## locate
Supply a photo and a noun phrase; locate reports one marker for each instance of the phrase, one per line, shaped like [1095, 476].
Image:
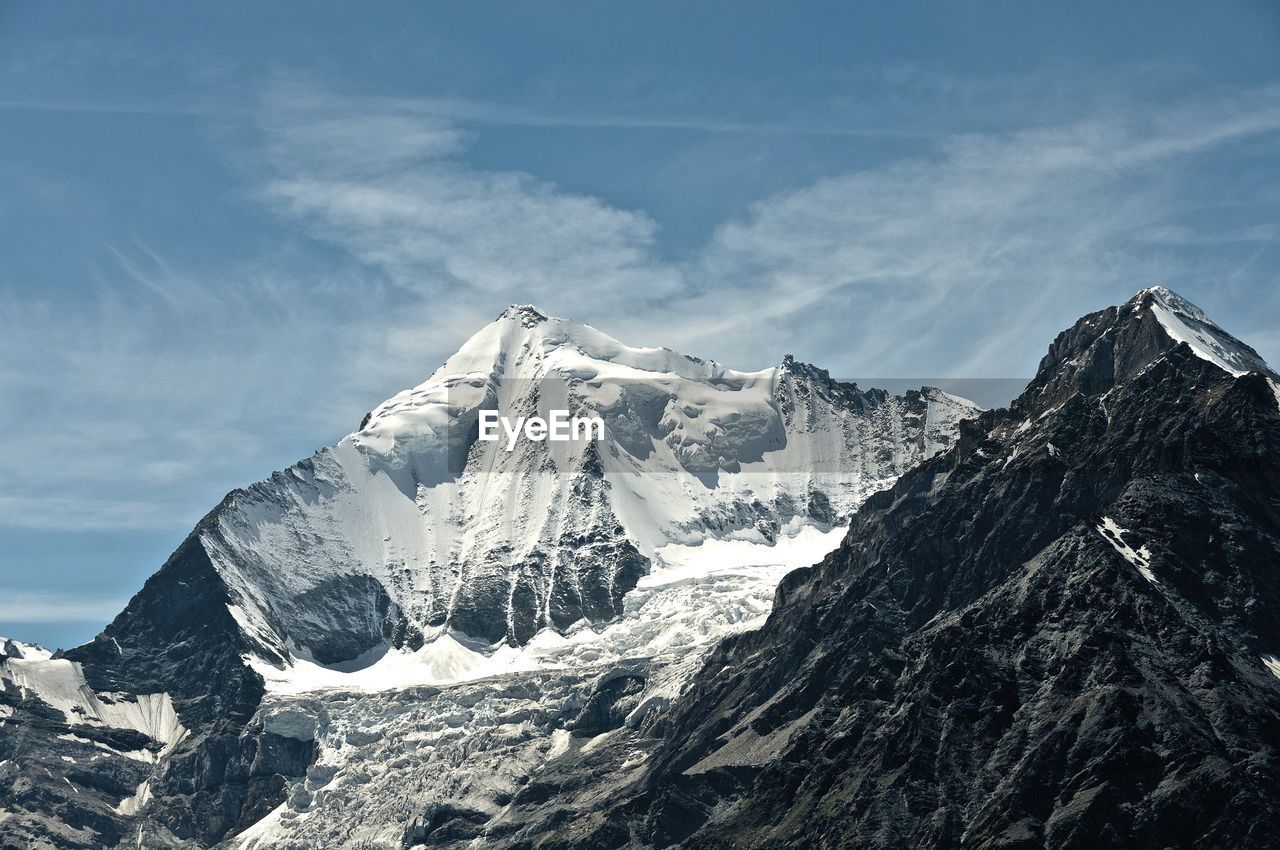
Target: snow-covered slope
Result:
[1185, 322]
[60, 684]
[410, 530]
[393, 765]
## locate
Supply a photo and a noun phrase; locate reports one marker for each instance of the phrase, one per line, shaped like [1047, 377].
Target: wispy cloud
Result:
[896, 268]
[101, 107]
[481, 112]
[389, 184]
[17, 606]
[490, 113]
[968, 260]
[138, 406]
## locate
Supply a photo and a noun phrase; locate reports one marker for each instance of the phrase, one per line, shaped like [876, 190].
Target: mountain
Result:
[1062, 632]
[412, 555]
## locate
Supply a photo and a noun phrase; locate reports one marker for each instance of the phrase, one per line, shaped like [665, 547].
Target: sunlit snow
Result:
[382, 754]
[1185, 322]
[1140, 557]
[61, 684]
[1272, 663]
[694, 452]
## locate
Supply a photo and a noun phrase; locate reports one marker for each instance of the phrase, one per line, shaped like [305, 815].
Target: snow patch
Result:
[560, 740]
[143, 755]
[1185, 322]
[1272, 663]
[61, 684]
[19, 649]
[133, 804]
[263, 833]
[1140, 558]
[804, 545]
[443, 660]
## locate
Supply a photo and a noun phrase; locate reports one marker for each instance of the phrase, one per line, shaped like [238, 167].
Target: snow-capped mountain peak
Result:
[411, 527]
[523, 346]
[1185, 322]
[1118, 343]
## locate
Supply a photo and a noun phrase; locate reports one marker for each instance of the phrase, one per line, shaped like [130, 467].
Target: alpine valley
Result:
[767, 610]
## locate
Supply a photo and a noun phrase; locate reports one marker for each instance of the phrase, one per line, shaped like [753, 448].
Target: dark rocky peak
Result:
[1116, 344]
[799, 368]
[526, 314]
[1060, 633]
[808, 376]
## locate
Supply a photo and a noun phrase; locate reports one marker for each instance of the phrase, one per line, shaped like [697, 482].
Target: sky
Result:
[227, 232]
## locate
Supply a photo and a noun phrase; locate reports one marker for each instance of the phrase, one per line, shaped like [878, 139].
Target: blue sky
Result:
[228, 234]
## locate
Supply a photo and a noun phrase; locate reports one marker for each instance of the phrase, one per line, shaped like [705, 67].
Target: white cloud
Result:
[384, 182]
[964, 261]
[139, 407]
[967, 262]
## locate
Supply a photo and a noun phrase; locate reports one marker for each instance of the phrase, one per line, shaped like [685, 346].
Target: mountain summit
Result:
[410, 527]
[1116, 344]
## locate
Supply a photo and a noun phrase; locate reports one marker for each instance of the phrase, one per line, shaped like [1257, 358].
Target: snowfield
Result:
[60, 684]
[387, 744]
[413, 553]
[695, 594]
[1185, 322]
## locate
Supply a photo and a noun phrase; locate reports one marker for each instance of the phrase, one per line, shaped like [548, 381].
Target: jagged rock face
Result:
[82, 753]
[61, 781]
[177, 637]
[1060, 633]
